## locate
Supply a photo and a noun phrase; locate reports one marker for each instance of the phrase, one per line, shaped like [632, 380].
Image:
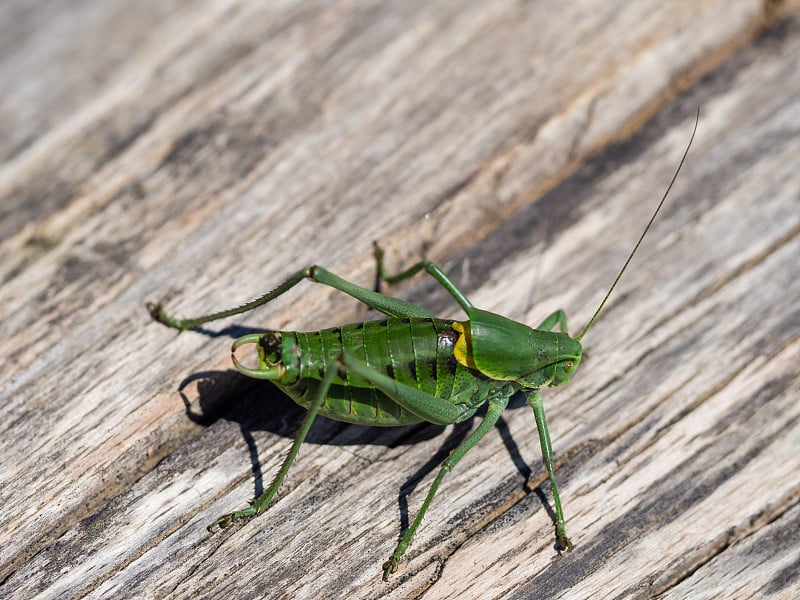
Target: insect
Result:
[411, 367]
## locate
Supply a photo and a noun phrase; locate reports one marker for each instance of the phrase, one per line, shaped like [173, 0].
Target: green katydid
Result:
[411, 367]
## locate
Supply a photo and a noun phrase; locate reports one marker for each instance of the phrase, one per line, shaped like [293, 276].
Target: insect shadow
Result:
[258, 406]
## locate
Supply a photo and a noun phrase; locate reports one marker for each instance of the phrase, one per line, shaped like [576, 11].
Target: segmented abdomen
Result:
[414, 351]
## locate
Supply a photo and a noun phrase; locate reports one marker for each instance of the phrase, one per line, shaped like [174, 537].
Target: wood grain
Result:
[197, 153]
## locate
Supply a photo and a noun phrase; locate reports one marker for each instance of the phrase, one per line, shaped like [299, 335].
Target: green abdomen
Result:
[414, 351]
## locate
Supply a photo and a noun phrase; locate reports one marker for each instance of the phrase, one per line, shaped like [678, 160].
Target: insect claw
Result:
[156, 311]
[221, 523]
[389, 567]
[563, 542]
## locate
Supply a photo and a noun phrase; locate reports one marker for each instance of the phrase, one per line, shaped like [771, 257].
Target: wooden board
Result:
[198, 153]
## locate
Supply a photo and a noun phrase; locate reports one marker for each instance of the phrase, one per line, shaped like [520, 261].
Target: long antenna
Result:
[644, 233]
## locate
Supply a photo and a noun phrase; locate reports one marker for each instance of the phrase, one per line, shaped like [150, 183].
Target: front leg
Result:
[535, 400]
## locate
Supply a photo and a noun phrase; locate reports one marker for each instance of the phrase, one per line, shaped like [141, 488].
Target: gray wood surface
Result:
[196, 153]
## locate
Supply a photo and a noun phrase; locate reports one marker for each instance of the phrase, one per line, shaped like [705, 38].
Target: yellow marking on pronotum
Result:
[463, 348]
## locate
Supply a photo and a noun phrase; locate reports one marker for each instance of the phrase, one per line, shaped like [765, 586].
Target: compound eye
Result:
[568, 366]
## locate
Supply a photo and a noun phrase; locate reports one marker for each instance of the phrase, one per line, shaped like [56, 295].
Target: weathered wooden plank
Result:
[219, 148]
[769, 557]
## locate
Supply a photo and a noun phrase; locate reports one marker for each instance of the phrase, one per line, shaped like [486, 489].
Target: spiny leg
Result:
[434, 410]
[260, 504]
[535, 400]
[157, 312]
[496, 407]
[430, 268]
[392, 307]
[428, 407]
